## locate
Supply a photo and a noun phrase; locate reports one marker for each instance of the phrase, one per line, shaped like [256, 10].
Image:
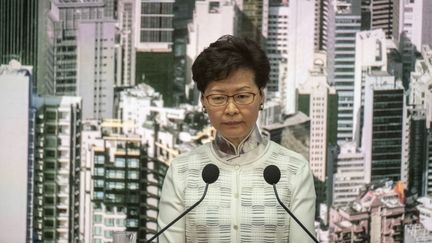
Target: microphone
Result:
[272, 176]
[209, 174]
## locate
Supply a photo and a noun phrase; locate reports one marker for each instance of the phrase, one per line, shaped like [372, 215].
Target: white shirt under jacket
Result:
[240, 206]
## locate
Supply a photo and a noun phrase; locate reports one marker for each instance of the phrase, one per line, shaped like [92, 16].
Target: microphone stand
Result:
[180, 216]
[292, 215]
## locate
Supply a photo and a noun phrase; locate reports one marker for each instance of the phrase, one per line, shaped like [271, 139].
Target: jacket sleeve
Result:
[171, 206]
[303, 205]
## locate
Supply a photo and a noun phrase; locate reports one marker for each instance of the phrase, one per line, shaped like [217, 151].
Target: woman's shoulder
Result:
[193, 158]
[287, 158]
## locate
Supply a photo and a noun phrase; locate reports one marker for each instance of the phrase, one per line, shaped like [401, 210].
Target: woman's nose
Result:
[231, 107]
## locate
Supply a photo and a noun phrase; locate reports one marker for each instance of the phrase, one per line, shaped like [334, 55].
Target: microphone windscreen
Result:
[272, 174]
[210, 173]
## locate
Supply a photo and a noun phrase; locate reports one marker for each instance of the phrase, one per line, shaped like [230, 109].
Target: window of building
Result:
[132, 223]
[99, 159]
[109, 222]
[99, 171]
[99, 195]
[97, 218]
[119, 162]
[133, 163]
[132, 175]
[133, 186]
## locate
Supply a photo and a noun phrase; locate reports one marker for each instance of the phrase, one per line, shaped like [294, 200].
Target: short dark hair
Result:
[226, 55]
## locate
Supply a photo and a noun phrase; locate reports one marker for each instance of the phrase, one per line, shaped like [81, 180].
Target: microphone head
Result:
[272, 174]
[210, 173]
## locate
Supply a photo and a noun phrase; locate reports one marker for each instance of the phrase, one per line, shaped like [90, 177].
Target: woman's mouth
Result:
[232, 123]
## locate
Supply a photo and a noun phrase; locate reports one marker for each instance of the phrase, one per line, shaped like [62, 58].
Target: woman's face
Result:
[235, 119]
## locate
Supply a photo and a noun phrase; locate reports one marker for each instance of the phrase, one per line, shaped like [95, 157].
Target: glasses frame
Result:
[230, 96]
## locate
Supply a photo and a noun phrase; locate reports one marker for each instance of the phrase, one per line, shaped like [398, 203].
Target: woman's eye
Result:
[243, 96]
[218, 98]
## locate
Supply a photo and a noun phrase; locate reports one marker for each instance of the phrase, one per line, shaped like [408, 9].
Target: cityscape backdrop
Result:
[96, 99]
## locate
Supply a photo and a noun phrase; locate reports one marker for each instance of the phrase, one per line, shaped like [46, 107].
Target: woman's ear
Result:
[202, 100]
[262, 96]
[204, 108]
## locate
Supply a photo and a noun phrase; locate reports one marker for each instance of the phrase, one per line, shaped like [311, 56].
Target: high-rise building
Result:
[183, 14]
[301, 25]
[154, 28]
[370, 55]
[319, 101]
[420, 100]
[349, 178]
[95, 61]
[123, 184]
[277, 45]
[16, 152]
[418, 146]
[252, 19]
[125, 51]
[407, 47]
[206, 28]
[382, 16]
[341, 62]
[142, 112]
[154, 45]
[415, 31]
[382, 128]
[322, 8]
[45, 48]
[57, 168]
[422, 20]
[19, 31]
[65, 17]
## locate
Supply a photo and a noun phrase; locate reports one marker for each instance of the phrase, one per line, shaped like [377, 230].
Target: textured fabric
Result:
[226, 151]
[240, 206]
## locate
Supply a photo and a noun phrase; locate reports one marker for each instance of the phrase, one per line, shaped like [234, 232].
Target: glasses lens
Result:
[240, 99]
[217, 99]
[244, 98]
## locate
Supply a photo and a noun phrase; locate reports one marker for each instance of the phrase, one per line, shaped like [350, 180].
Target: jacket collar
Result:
[227, 150]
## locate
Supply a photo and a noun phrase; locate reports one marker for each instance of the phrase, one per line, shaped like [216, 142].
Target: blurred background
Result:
[96, 99]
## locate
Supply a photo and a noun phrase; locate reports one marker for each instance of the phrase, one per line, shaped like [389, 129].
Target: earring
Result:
[204, 110]
[261, 107]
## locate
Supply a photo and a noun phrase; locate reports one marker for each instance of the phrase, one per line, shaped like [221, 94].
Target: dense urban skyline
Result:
[98, 98]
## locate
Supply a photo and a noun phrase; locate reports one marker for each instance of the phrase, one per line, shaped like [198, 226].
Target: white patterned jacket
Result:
[240, 206]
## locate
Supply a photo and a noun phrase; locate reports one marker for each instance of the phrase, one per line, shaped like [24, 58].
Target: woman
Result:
[240, 206]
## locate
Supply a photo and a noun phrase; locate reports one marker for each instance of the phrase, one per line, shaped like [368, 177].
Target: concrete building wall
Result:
[15, 141]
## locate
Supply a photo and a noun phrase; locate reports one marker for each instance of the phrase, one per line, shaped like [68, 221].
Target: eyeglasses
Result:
[244, 98]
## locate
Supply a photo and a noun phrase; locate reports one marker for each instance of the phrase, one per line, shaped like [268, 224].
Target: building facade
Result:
[95, 61]
[422, 231]
[301, 27]
[341, 62]
[349, 178]
[154, 28]
[420, 118]
[208, 15]
[16, 152]
[18, 31]
[57, 168]
[319, 101]
[277, 45]
[125, 50]
[377, 215]
[383, 125]
[123, 184]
